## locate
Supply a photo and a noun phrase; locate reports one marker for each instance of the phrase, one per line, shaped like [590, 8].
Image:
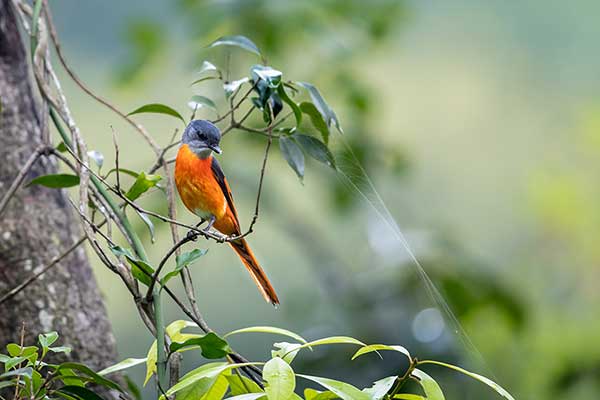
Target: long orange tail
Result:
[260, 278]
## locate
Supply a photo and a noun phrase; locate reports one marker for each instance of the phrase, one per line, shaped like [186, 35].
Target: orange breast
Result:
[197, 187]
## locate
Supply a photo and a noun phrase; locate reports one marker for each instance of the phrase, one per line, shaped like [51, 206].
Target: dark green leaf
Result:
[157, 108]
[80, 392]
[88, 372]
[62, 147]
[142, 183]
[238, 41]
[267, 74]
[328, 114]
[316, 119]
[293, 155]
[316, 149]
[196, 102]
[276, 104]
[137, 266]
[295, 108]
[56, 181]
[213, 346]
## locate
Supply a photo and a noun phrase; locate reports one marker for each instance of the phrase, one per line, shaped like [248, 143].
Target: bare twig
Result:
[20, 176]
[236, 106]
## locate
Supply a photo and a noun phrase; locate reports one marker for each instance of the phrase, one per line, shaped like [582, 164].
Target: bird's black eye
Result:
[201, 136]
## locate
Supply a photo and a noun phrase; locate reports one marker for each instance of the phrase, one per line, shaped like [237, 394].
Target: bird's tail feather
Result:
[256, 272]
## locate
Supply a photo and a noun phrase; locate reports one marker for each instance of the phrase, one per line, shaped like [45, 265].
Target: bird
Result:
[205, 192]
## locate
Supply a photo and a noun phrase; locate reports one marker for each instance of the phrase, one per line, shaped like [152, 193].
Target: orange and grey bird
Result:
[205, 192]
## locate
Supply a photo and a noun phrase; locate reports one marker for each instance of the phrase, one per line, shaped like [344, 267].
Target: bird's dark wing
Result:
[220, 177]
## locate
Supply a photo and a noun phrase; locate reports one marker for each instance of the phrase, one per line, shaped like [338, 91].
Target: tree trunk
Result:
[38, 225]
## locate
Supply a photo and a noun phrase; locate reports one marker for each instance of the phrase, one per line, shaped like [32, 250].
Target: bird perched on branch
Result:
[205, 192]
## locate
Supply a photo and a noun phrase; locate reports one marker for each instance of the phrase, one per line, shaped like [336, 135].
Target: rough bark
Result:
[38, 225]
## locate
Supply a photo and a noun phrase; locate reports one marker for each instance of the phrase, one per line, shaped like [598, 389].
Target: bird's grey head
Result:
[202, 137]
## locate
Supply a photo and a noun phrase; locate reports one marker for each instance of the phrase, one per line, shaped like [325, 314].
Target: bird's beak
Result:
[215, 148]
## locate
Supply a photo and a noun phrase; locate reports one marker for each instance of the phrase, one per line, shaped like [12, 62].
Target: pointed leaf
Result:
[328, 114]
[332, 340]
[91, 374]
[316, 149]
[344, 390]
[267, 329]
[380, 347]
[141, 185]
[408, 396]
[55, 181]
[242, 385]
[430, 386]
[213, 347]
[316, 119]
[248, 396]
[125, 364]
[207, 66]
[293, 155]
[380, 388]
[287, 351]
[157, 108]
[238, 41]
[231, 87]
[501, 391]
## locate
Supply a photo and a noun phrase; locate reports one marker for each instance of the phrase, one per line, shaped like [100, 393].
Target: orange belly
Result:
[197, 187]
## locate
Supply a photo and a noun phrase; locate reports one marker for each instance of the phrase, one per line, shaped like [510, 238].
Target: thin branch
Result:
[236, 106]
[20, 176]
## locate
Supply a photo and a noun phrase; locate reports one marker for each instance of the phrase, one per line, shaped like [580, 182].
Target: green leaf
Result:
[328, 114]
[238, 41]
[13, 362]
[295, 108]
[267, 329]
[148, 222]
[312, 394]
[47, 339]
[316, 119]
[380, 388]
[344, 390]
[157, 108]
[332, 340]
[293, 155]
[18, 372]
[205, 389]
[204, 372]
[125, 364]
[196, 102]
[231, 87]
[60, 349]
[141, 185]
[248, 396]
[430, 386]
[280, 379]
[16, 350]
[88, 372]
[316, 149]
[62, 147]
[409, 396]
[97, 157]
[212, 345]
[55, 181]
[123, 170]
[287, 351]
[242, 385]
[183, 261]
[501, 391]
[80, 392]
[380, 347]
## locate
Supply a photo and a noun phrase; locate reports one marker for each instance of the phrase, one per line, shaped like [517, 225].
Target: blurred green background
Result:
[479, 124]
